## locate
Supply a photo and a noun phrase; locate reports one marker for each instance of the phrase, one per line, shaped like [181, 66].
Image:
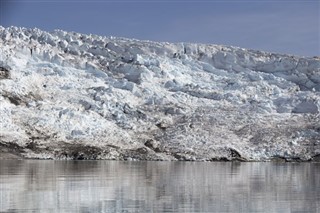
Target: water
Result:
[113, 186]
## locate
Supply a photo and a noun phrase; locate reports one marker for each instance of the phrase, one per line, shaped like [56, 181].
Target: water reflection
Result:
[113, 186]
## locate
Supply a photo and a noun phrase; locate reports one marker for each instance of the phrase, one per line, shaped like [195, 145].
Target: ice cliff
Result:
[65, 95]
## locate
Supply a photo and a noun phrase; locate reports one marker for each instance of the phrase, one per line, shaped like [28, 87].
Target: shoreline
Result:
[6, 155]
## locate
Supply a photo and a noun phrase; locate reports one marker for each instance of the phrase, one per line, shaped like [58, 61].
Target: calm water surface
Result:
[112, 186]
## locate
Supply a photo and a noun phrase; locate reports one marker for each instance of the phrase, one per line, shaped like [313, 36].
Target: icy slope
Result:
[74, 96]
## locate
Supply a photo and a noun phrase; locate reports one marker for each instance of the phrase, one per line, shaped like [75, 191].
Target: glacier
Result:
[66, 95]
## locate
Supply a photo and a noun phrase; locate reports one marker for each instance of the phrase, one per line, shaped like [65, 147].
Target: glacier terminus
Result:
[66, 95]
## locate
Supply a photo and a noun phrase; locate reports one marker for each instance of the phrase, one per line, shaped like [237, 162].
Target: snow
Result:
[68, 93]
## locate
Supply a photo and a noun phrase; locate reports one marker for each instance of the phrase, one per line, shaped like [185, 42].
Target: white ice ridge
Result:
[66, 95]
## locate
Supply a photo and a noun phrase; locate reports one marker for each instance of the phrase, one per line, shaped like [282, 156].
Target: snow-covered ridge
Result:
[75, 96]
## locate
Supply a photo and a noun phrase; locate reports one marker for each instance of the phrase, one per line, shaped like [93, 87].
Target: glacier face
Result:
[65, 95]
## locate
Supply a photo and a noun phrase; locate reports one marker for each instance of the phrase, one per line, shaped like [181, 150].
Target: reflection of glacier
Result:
[111, 186]
[75, 96]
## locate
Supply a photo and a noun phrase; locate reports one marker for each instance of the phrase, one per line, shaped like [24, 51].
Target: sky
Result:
[280, 26]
